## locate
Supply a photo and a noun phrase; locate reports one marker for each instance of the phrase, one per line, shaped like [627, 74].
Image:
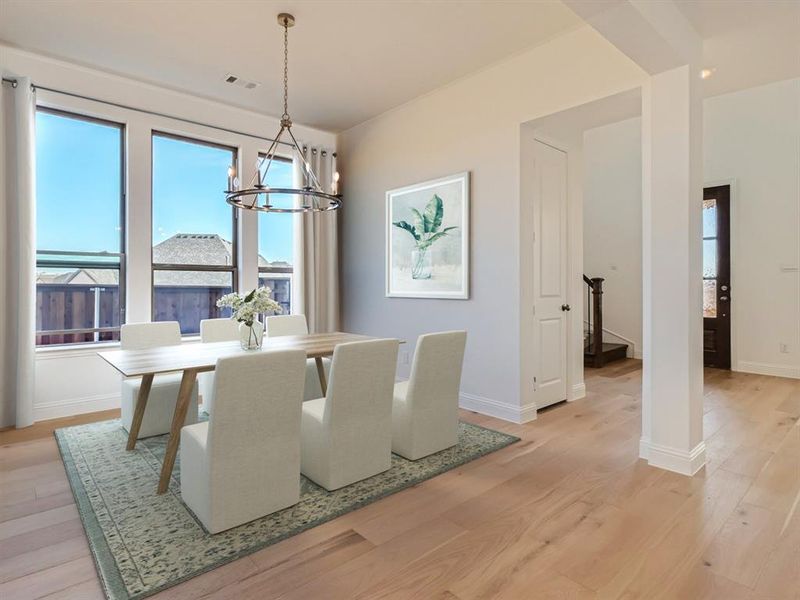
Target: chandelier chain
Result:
[308, 197]
[285, 68]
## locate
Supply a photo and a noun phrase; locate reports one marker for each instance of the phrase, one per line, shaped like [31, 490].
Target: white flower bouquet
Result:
[245, 309]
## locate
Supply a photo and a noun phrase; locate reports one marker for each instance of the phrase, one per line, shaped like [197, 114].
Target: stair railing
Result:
[594, 304]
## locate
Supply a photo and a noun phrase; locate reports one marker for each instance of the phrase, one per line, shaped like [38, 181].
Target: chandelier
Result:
[312, 196]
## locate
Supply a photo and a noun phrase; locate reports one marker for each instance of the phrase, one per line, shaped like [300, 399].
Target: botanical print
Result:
[427, 239]
[425, 232]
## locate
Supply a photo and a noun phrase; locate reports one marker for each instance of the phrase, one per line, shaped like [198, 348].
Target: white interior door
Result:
[550, 276]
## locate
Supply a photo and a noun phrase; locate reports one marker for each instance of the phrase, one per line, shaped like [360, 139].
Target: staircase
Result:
[596, 352]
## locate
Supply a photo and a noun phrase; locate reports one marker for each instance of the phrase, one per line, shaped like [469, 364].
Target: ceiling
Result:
[349, 60]
[747, 42]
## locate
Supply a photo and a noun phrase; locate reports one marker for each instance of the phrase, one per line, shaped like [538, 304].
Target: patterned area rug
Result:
[143, 543]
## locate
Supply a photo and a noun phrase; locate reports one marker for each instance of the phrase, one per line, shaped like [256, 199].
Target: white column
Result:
[247, 221]
[139, 222]
[672, 391]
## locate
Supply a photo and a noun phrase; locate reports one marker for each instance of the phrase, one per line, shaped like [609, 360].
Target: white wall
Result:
[74, 380]
[472, 124]
[753, 137]
[612, 224]
[752, 141]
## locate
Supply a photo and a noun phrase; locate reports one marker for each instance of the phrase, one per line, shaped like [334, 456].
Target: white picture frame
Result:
[433, 263]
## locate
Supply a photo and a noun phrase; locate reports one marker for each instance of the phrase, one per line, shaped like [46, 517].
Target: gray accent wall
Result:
[471, 125]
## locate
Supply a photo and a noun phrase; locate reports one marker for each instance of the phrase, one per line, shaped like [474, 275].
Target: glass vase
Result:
[421, 264]
[251, 336]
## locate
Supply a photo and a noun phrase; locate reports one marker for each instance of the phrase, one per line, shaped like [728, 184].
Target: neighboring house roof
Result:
[193, 248]
[192, 279]
[180, 249]
[81, 277]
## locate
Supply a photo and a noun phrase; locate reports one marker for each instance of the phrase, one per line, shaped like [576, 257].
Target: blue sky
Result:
[78, 185]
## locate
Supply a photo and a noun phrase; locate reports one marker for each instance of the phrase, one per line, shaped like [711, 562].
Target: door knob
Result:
[565, 307]
[723, 298]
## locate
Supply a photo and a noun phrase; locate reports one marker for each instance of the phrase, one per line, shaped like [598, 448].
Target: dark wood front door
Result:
[717, 277]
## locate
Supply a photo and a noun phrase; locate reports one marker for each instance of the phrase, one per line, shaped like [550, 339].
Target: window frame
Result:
[80, 264]
[276, 270]
[233, 268]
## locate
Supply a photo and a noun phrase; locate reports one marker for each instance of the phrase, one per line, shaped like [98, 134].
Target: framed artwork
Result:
[427, 239]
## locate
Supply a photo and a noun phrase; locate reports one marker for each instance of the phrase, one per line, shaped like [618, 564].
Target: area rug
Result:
[143, 543]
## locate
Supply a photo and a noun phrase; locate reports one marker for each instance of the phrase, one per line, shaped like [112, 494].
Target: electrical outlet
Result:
[404, 358]
[784, 348]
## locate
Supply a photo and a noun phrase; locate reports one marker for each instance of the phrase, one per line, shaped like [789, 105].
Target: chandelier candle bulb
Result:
[335, 184]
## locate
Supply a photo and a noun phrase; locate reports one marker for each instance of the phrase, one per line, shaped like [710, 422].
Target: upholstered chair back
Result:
[286, 325]
[219, 330]
[254, 431]
[141, 336]
[244, 462]
[360, 388]
[425, 408]
[436, 371]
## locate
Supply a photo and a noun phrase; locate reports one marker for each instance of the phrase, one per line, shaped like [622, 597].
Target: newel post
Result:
[597, 311]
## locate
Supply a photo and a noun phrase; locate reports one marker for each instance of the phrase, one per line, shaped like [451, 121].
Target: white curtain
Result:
[18, 253]
[316, 251]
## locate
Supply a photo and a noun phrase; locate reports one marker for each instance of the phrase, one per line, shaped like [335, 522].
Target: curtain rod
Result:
[13, 83]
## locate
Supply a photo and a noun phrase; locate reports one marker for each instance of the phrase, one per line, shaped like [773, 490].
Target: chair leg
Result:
[138, 413]
[178, 419]
[321, 372]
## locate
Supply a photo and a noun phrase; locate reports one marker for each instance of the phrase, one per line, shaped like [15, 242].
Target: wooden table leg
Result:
[178, 419]
[138, 413]
[321, 372]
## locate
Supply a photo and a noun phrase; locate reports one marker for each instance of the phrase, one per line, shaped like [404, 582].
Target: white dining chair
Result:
[160, 407]
[214, 330]
[347, 435]
[425, 408]
[281, 325]
[244, 462]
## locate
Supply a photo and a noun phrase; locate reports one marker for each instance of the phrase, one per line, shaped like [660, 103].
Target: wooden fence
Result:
[188, 305]
[68, 306]
[87, 306]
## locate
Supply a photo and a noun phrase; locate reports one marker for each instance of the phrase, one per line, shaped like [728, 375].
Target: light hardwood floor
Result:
[568, 512]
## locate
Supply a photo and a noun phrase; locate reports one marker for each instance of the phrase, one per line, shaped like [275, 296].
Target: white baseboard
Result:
[768, 369]
[500, 410]
[673, 459]
[75, 406]
[578, 392]
[644, 448]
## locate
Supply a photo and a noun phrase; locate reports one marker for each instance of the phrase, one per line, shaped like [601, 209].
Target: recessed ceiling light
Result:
[706, 73]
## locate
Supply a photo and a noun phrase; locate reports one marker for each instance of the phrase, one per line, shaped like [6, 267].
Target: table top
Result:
[203, 357]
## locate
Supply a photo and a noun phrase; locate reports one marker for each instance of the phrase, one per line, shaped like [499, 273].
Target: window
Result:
[710, 258]
[80, 261]
[194, 232]
[276, 237]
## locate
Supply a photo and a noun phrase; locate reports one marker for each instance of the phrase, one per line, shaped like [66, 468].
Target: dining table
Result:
[194, 358]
